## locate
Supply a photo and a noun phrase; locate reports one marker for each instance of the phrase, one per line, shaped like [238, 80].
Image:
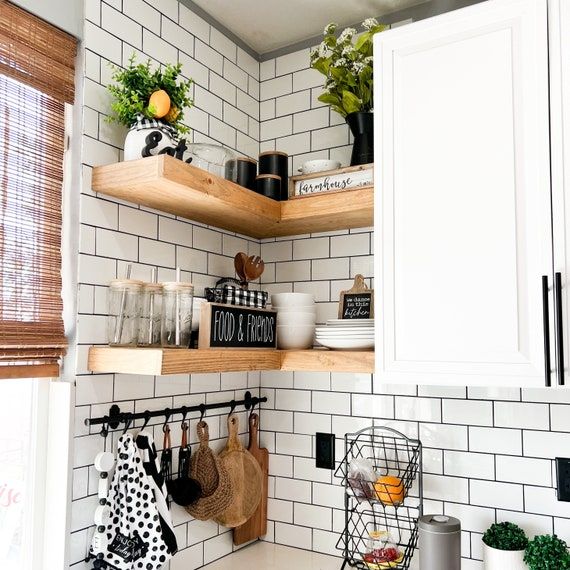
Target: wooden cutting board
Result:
[255, 526]
[245, 476]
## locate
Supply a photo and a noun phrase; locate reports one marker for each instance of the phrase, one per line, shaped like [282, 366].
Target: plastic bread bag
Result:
[361, 478]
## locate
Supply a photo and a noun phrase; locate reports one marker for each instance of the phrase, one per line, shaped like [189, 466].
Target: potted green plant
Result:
[346, 62]
[547, 552]
[504, 546]
[149, 101]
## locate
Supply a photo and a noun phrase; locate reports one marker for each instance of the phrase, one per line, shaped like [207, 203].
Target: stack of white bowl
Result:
[296, 317]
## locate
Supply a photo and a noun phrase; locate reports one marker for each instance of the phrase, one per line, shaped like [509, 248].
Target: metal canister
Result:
[439, 542]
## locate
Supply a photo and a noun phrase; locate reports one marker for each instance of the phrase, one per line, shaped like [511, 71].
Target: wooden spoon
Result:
[253, 267]
[239, 265]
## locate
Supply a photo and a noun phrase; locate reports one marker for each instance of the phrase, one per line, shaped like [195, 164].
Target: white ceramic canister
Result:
[136, 139]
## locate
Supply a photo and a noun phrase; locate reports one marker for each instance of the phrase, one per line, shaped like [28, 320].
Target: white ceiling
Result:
[267, 25]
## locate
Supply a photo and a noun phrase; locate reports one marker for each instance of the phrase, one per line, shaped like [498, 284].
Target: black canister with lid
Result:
[269, 185]
[242, 171]
[277, 163]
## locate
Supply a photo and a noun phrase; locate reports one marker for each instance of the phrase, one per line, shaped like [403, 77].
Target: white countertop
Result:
[269, 556]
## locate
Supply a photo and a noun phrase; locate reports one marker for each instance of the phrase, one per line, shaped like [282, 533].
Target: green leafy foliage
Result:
[347, 66]
[137, 82]
[547, 552]
[505, 536]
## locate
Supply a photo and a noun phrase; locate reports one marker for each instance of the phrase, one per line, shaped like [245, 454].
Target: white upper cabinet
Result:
[462, 203]
[559, 36]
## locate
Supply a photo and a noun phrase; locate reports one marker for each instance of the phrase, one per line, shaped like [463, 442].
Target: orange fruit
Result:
[389, 490]
[159, 104]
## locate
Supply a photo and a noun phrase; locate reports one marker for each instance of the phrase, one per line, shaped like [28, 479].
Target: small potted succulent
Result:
[151, 104]
[346, 62]
[504, 547]
[547, 552]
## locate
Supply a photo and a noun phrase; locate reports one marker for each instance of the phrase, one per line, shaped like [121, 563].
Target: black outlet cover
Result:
[325, 450]
[563, 478]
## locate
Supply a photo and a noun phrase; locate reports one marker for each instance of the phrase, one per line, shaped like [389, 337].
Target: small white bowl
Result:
[290, 299]
[319, 165]
[296, 318]
[295, 337]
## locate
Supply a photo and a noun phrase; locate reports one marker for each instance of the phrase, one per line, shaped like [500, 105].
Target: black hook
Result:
[127, 419]
[254, 402]
[202, 411]
[167, 417]
[184, 414]
[232, 407]
[105, 429]
[146, 419]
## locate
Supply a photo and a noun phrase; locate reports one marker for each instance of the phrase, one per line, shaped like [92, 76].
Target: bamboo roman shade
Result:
[36, 53]
[36, 79]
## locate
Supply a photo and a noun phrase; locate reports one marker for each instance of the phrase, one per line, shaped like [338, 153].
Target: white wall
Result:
[114, 233]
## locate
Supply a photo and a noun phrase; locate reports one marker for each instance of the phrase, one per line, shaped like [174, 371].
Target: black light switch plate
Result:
[563, 478]
[325, 450]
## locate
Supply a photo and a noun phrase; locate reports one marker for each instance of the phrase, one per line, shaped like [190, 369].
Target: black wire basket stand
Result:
[395, 508]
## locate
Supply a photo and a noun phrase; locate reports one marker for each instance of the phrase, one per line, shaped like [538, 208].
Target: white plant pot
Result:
[503, 559]
[135, 141]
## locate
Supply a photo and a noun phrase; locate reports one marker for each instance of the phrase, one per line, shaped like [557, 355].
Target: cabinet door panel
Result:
[463, 203]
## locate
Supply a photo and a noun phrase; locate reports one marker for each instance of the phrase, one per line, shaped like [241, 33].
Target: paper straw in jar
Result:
[120, 318]
[151, 307]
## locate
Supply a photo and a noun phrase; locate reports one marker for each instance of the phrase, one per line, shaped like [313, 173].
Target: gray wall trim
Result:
[418, 12]
[220, 27]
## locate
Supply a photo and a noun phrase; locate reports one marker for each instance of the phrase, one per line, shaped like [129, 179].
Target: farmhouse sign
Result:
[333, 181]
[231, 326]
[357, 302]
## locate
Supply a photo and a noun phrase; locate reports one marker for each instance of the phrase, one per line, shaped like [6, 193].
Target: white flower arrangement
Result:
[347, 66]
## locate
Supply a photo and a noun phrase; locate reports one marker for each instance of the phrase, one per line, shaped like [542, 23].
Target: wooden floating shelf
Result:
[163, 361]
[170, 185]
[323, 360]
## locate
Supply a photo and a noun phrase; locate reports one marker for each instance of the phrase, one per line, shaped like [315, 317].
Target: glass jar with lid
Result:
[150, 321]
[123, 312]
[177, 314]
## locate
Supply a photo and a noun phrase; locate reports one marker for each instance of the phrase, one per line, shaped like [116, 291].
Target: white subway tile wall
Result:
[488, 452]
[114, 233]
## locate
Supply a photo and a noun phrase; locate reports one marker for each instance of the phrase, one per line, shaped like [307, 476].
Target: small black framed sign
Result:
[233, 326]
[357, 302]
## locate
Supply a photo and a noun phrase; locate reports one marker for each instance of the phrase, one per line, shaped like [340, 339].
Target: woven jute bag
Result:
[206, 468]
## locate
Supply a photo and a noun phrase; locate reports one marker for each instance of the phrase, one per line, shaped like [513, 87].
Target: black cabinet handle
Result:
[546, 327]
[559, 327]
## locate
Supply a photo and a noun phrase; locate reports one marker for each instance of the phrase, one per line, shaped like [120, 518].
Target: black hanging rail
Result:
[116, 417]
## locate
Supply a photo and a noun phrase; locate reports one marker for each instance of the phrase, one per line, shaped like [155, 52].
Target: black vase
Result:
[362, 127]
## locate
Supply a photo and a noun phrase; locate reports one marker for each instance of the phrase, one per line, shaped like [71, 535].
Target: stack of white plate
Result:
[347, 334]
[296, 317]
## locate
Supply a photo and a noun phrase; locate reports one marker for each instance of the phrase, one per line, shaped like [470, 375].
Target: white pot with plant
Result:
[504, 547]
[151, 104]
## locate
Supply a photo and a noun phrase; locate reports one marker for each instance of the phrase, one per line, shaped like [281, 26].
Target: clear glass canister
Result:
[151, 314]
[177, 314]
[123, 312]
